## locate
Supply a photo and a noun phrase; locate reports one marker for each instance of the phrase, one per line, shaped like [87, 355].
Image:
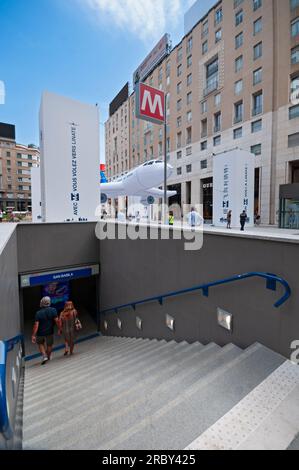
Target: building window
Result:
[179, 105]
[204, 47]
[8, 162]
[293, 140]
[179, 88]
[179, 155]
[257, 4]
[189, 79]
[189, 45]
[180, 55]
[239, 40]
[204, 128]
[238, 87]
[205, 29]
[239, 17]
[189, 98]
[179, 70]
[258, 51]
[204, 107]
[204, 164]
[217, 99]
[257, 26]
[8, 154]
[189, 116]
[212, 76]
[179, 171]
[168, 68]
[257, 103]
[189, 168]
[179, 121]
[179, 140]
[188, 151]
[295, 55]
[294, 112]
[218, 16]
[256, 126]
[257, 76]
[217, 122]
[239, 64]
[294, 83]
[189, 135]
[217, 140]
[238, 133]
[295, 27]
[256, 149]
[189, 61]
[218, 35]
[238, 112]
[204, 145]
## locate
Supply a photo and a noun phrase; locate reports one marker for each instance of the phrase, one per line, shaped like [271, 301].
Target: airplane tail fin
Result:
[103, 177]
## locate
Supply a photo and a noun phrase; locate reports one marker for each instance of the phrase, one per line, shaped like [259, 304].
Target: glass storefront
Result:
[289, 214]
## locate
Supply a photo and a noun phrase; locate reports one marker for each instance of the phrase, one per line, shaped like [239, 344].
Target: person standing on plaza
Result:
[69, 323]
[43, 329]
[243, 219]
[229, 219]
[1, 216]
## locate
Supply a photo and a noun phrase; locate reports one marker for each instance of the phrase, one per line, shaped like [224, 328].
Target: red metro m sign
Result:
[150, 104]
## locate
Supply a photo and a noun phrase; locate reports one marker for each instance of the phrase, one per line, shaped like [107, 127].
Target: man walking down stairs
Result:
[131, 394]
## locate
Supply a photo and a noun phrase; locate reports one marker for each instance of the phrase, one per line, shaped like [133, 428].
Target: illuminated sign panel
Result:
[150, 104]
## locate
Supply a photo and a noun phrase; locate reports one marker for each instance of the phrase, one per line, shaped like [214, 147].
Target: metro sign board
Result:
[150, 104]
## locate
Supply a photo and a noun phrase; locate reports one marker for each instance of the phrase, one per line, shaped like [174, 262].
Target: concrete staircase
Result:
[123, 394]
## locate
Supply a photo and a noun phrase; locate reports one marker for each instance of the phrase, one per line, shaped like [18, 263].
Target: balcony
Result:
[257, 110]
[213, 86]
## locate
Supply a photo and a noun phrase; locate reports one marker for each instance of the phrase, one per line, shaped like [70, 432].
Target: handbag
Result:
[78, 324]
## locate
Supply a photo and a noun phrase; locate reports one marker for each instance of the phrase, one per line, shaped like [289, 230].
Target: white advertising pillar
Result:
[36, 195]
[233, 187]
[70, 159]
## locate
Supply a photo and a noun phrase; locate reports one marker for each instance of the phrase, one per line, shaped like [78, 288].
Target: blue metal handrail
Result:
[271, 279]
[5, 348]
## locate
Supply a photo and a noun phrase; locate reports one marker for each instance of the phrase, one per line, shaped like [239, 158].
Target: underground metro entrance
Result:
[80, 285]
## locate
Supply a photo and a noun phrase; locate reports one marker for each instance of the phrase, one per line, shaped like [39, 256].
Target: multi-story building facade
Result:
[16, 161]
[231, 82]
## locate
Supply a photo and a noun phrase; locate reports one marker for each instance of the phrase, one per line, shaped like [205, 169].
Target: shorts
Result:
[45, 339]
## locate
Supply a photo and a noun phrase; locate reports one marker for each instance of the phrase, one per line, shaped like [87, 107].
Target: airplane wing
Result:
[111, 190]
[155, 192]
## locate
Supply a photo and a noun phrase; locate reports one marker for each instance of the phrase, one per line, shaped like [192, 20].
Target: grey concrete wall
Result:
[9, 290]
[9, 301]
[49, 246]
[132, 270]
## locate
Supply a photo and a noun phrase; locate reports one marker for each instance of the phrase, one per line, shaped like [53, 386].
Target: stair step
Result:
[127, 386]
[153, 355]
[146, 400]
[189, 411]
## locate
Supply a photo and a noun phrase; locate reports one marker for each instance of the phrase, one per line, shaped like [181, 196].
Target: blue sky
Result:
[84, 49]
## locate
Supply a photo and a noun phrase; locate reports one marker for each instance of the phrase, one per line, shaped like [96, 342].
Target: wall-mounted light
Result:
[119, 324]
[170, 322]
[139, 323]
[105, 325]
[225, 319]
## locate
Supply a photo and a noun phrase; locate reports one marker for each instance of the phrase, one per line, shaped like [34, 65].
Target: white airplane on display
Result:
[140, 182]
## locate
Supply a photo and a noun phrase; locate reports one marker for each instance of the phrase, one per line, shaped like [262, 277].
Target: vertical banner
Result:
[70, 159]
[233, 187]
